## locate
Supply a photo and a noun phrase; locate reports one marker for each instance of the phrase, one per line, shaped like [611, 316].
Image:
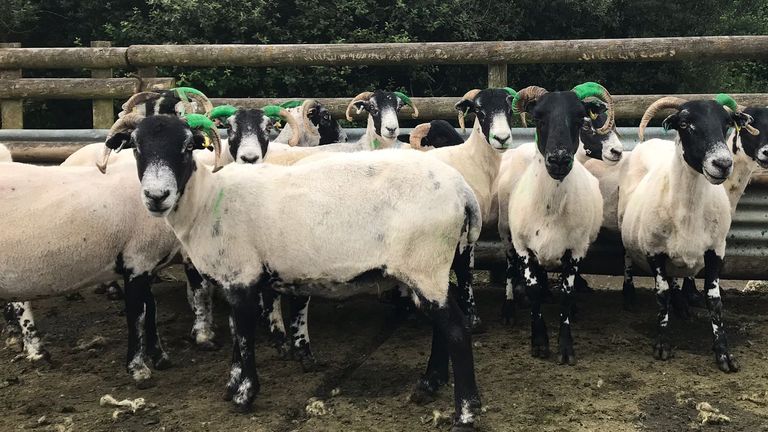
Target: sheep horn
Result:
[663, 103]
[524, 97]
[275, 111]
[407, 100]
[205, 124]
[361, 96]
[730, 105]
[127, 122]
[136, 99]
[469, 96]
[308, 126]
[593, 89]
[417, 134]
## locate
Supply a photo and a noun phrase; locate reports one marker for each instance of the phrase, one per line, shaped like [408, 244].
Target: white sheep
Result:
[550, 207]
[674, 215]
[5, 154]
[317, 127]
[233, 225]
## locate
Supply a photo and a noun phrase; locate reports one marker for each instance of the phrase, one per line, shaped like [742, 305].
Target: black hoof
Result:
[242, 408]
[310, 364]
[145, 383]
[162, 363]
[567, 358]
[284, 351]
[540, 351]
[465, 427]
[208, 345]
[422, 394]
[662, 351]
[727, 362]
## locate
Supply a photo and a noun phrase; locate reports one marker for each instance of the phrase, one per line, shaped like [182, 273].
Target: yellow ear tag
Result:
[206, 141]
[592, 115]
[278, 125]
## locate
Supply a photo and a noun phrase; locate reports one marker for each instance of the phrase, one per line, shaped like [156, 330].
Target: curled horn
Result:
[214, 134]
[524, 97]
[407, 100]
[126, 123]
[208, 127]
[202, 101]
[308, 126]
[593, 89]
[362, 96]
[274, 111]
[469, 96]
[663, 103]
[136, 99]
[730, 105]
[417, 134]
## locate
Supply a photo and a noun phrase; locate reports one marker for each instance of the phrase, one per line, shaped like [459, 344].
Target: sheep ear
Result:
[594, 108]
[741, 119]
[119, 141]
[465, 106]
[361, 105]
[670, 122]
[200, 140]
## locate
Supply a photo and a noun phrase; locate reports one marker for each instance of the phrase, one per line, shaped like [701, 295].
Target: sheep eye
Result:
[586, 124]
[683, 125]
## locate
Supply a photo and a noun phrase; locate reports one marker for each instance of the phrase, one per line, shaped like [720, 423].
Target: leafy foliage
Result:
[125, 22]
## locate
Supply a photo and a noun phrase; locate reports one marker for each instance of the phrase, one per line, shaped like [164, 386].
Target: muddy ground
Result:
[373, 360]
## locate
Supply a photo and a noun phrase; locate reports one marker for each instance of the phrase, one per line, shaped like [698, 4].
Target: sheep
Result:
[316, 123]
[41, 259]
[383, 127]
[362, 243]
[5, 154]
[435, 134]
[674, 214]
[550, 207]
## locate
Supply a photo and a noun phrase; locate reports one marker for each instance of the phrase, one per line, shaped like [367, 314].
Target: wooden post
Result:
[103, 109]
[11, 111]
[497, 75]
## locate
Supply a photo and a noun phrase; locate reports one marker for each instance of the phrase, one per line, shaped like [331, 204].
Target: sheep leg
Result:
[21, 322]
[301, 347]
[452, 336]
[570, 266]
[136, 314]
[628, 289]
[236, 365]
[437, 369]
[662, 350]
[679, 302]
[724, 359]
[155, 350]
[200, 298]
[243, 323]
[272, 314]
[581, 285]
[112, 290]
[462, 267]
[12, 325]
[694, 297]
[512, 281]
[535, 280]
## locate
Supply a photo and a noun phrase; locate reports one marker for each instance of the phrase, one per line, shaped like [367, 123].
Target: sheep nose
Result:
[615, 152]
[502, 138]
[724, 164]
[157, 197]
[560, 159]
[249, 160]
[391, 130]
[763, 154]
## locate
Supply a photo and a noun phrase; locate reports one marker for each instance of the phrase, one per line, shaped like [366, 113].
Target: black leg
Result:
[693, 296]
[535, 279]
[200, 298]
[437, 369]
[662, 350]
[570, 267]
[136, 314]
[451, 335]
[724, 359]
[157, 354]
[243, 323]
[678, 301]
[462, 266]
[512, 280]
[581, 285]
[628, 290]
[236, 367]
[271, 307]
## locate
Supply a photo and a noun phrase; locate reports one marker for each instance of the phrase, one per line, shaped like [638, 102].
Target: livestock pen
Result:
[367, 374]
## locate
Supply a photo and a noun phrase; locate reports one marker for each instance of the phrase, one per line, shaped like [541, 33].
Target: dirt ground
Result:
[372, 360]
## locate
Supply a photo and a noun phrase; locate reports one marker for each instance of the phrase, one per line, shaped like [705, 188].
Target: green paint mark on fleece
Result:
[727, 101]
[376, 144]
[217, 204]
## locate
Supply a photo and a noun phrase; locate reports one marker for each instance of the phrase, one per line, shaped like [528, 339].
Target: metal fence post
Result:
[103, 109]
[11, 110]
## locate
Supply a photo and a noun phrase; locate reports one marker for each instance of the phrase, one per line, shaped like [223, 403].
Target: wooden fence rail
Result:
[101, 58]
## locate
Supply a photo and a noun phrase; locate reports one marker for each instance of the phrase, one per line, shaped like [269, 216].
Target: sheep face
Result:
[608, 147]
[559, 118]
[701, 126]
[248, 131]
[163, 148]
[329, 129]
[493, 109]
[383, 107]
[167, 103]
[756, 146]
[441, 134]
